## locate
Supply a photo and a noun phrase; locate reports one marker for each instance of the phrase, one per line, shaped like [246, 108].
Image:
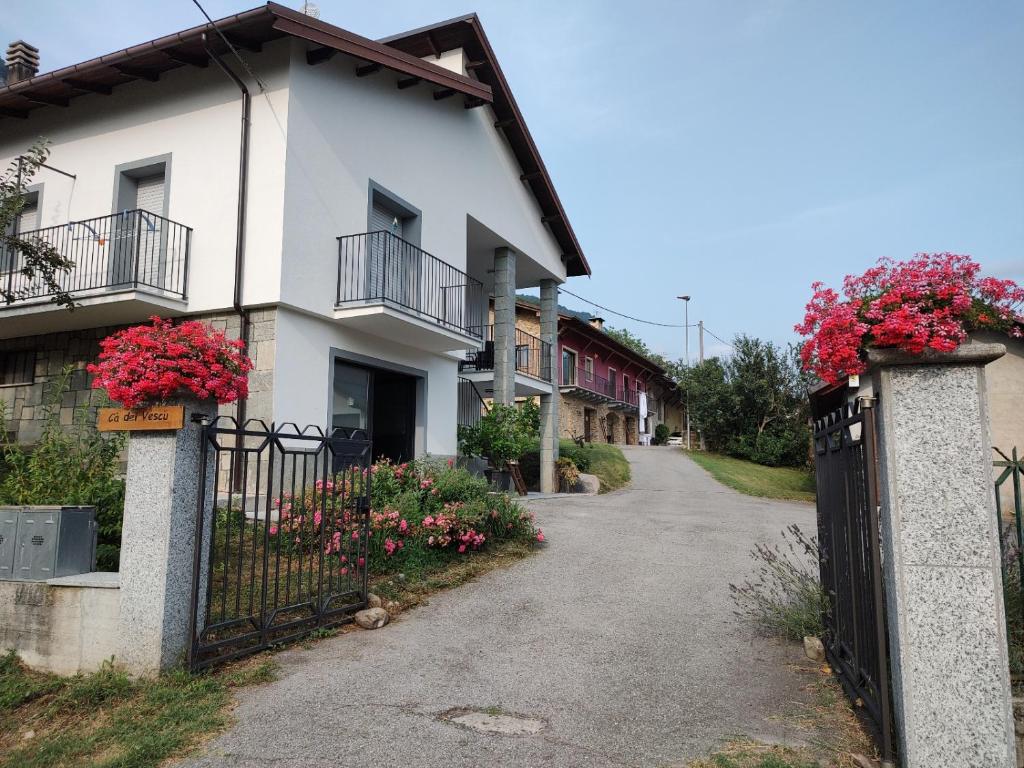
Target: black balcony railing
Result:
[533, 355]
[128, 250]
[379, 267]
[582, 378]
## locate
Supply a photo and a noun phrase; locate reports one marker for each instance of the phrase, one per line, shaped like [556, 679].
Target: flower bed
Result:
[423, 514]
[929, 302]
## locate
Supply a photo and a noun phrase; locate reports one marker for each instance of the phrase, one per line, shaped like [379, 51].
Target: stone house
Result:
[383, 192]
[607, 392]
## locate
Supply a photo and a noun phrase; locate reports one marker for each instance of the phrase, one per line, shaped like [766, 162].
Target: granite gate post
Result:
[947, 628]
[158, 533]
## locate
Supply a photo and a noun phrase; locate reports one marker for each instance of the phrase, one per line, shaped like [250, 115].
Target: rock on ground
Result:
[371, 618]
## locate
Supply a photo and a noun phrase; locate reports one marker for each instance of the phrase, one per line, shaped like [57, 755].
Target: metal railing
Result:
[127, 250]
[471, 405]
[286, 554]
[582, 378]
[850, 562]
[1010, 516]
[379, 267]
[532, 355]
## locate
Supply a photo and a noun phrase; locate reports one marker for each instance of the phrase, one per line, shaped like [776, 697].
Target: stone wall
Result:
[23, 403]
[605, 419]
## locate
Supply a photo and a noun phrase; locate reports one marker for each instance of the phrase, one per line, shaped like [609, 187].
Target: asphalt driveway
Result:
[619, 637]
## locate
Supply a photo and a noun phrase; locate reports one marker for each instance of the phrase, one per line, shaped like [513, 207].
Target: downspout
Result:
[243, 194]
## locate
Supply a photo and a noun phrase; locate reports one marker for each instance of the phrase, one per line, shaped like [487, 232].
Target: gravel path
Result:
[619, 636]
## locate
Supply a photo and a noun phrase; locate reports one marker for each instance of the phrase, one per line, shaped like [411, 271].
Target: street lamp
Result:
[686, 345]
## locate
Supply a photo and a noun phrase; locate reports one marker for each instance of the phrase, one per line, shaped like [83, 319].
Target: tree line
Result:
[751, 404]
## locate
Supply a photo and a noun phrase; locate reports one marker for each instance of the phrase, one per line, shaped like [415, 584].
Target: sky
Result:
[732, 151]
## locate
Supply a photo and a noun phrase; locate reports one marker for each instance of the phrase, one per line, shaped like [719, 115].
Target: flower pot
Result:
[500, 479]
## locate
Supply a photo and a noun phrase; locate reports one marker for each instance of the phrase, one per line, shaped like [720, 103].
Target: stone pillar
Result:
[947, 629]
[161, 493]
[504, 326]
[549, 403]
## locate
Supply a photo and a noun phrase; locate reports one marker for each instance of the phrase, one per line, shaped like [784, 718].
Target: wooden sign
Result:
[152, 418]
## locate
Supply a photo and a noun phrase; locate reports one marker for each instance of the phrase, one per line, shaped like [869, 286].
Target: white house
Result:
[347, 206]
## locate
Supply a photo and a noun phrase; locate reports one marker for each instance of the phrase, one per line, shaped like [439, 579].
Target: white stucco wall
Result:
[312, 159]
[446, 160]
[303, 367]
[194, 115]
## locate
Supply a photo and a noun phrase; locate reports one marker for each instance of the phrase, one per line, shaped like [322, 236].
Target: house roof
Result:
[250, 30]
[467, 33]
[580, 322]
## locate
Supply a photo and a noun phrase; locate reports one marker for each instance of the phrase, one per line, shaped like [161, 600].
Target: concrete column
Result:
[161, 493]
[504, 326]
[947, 629]
[549, 403]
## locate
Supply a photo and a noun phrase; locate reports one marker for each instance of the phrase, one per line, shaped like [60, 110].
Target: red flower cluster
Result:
[148, 364]
[929, 302]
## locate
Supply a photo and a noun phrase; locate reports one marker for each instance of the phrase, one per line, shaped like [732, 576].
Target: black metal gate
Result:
[856, 640]
[283, 520]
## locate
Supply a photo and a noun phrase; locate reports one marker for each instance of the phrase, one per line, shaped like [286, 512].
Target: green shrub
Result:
[784, 598]
[582, 457]
[70, 464]
[503, 434]
[661, 433]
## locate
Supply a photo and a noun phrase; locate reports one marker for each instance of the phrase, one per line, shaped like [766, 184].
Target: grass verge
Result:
[601, 459]
[757, 480]
[109, 720]
[829, 732]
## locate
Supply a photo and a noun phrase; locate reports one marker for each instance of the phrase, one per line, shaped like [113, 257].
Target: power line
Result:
[234, 50]
[709, 333]
[647, 322]
[628, 317]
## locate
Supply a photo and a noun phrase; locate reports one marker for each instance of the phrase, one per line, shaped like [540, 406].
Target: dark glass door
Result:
[381, 402]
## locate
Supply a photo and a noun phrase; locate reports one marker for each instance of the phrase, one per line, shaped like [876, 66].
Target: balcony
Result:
[587, 385]
[127, 266]
[533, 363]
[390, 288]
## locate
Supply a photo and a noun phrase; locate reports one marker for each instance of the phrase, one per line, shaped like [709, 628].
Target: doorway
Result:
[379, 401]
[588, 424]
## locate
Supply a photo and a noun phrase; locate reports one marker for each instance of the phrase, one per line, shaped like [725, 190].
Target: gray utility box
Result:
[40, 543]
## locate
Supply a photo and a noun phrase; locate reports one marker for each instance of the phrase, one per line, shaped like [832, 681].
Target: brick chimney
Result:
[597, 322]
[22, 61]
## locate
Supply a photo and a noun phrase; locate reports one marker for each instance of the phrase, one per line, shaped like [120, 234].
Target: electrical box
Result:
[8, 540]
[51, 542]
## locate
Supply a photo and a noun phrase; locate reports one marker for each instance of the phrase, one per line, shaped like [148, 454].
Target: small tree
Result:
[24, 253]
[661, 434]
[503, 434]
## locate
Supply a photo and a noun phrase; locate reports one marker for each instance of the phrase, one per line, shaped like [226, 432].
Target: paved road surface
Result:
[619, 635]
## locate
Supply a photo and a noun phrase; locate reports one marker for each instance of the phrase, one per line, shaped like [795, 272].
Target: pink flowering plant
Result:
[930, 302]
[422, 514]
[150, 364]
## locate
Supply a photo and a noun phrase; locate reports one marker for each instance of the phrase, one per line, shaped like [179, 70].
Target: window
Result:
[17, 367]
[610, 386]
[625, 383]
[28, 217]
[588, 368]
[568, 367]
